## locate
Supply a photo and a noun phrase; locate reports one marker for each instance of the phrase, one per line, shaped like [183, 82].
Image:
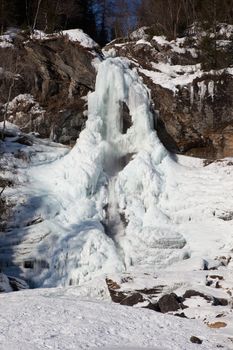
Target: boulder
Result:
[195, 340]
[169, 303]
[133, 299]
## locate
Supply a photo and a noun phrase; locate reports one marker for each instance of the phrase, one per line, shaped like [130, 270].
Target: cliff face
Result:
[193, 103]
[51, 76]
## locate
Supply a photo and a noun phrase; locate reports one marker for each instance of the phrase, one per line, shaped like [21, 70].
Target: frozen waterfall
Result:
[102, 198]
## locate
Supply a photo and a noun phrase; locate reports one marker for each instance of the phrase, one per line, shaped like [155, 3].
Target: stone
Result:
[168, 303]
[217, 325]
[132, 299]
[196, 340]
[182, 314]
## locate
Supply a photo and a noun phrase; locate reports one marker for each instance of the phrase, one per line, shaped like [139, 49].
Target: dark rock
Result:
[216, 277]
[220, 301]
[193, 293]
[182, 314]
[58, 74]
[169, 302]
[17, 284]
[132, 299]
[116, 294]
[24, 140]
[126, 118]
[215, 301]
[196, 340]
[153, 306]
[151, 291]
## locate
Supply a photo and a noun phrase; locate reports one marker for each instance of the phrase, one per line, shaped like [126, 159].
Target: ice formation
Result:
[117, 200]
[109, 206]
[98, 205]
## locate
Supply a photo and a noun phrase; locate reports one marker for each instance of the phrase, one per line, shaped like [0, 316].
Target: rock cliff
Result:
[49, 77]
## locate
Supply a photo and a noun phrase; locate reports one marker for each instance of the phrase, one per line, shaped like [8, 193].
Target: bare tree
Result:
[6, 107]
[36, 15]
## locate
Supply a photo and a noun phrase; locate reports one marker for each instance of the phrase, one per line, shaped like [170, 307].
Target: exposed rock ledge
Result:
[52, 75]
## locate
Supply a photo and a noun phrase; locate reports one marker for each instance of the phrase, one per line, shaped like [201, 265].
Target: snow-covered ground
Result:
[51, 319]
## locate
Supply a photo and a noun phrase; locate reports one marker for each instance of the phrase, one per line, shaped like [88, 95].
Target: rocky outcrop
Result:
[47, 80]
[193, 103]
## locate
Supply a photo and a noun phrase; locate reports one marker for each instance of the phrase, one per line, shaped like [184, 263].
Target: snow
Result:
[139, 34]
[177, 45]
[171, 76]
[51, 319]
[74, 35]
[143, 42]
[6, 40]
[78, 35]
[161, 40]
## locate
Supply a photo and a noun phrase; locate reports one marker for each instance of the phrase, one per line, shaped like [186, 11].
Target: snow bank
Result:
[33, 318]
[81, 37]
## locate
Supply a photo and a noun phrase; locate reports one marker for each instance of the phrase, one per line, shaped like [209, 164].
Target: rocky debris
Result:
[193, 105]
[195, 340]
[157, 299]
[54, 75]
[132, 297]
[166, 303]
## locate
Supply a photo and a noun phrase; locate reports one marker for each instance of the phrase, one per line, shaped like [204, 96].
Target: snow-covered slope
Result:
[51, 319]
